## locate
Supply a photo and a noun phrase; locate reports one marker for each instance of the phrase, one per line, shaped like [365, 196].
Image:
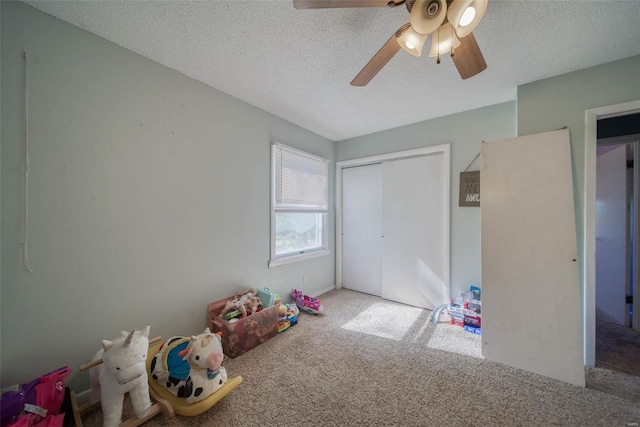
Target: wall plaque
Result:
[469, 189]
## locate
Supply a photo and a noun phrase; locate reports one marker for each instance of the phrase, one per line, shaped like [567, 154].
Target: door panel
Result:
[361, 227]
[531, 308]
[611, 231]
[415, 263]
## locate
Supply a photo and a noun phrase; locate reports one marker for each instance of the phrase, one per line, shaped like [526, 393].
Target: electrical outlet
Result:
[305, 280]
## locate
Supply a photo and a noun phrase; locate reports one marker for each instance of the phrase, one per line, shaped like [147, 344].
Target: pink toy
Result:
[306, 303]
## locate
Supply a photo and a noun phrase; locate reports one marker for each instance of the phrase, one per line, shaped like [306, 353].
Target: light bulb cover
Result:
[467, 16]
[457, 10]
[422, 20]
[412, 41]
[442, 40]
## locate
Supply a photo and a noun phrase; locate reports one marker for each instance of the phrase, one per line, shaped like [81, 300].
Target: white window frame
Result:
[277, 260]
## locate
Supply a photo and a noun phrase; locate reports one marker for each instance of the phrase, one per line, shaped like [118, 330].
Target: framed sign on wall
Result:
[469, 189]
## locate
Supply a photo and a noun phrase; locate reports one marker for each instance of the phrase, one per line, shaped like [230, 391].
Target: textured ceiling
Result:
[297, 64]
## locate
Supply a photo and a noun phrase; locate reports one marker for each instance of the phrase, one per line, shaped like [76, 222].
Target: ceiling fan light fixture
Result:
[428, 15]
[412, 41]
[442, 41]
[465, 15]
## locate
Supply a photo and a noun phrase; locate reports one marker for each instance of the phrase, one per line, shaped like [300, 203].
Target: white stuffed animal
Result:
[123, 370]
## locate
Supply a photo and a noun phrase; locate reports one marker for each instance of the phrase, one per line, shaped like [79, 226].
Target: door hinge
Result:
[629, 299]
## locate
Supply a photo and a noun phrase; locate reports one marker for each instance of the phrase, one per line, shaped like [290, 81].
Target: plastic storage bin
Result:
[241, 334]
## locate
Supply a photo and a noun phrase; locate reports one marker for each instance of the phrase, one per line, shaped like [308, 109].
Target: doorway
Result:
[592, 117]
[617, 344]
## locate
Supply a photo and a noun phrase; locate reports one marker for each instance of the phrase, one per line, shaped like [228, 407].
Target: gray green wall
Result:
[148, 197]
[553, 103]
[146, 186]
[465, 131]
[541, 106]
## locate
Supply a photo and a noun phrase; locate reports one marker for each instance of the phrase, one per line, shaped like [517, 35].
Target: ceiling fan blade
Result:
[379, 60]
[468, 58]
[324, 4]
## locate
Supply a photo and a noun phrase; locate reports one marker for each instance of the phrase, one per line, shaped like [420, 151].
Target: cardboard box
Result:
[241, 334]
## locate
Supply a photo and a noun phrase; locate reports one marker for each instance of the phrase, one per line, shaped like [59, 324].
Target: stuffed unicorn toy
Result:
[123, 370]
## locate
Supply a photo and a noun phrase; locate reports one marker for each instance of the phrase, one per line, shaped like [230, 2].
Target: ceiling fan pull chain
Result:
[438, 36]
[452, 43]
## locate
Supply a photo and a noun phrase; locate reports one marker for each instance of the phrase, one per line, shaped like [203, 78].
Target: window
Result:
[299, 205]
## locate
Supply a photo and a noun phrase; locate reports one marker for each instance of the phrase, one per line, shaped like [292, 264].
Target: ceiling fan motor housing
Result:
[428, 15]
[433, 8]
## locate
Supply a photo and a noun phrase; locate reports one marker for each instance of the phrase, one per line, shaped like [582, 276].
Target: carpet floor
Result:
[617, 347]
[370, 362]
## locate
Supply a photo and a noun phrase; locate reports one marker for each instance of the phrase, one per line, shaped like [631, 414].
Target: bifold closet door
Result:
[415, 263]
[361, 228]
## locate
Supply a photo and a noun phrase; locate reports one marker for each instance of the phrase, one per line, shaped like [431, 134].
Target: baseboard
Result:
[324, 291]
[84, 396]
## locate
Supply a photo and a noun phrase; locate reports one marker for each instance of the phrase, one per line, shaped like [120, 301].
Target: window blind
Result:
[301, 180]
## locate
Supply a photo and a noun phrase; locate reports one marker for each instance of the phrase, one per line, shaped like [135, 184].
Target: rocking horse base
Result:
[160, 407]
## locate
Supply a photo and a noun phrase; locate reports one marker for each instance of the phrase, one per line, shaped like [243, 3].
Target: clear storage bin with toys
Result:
[243, 324]
[466, 310]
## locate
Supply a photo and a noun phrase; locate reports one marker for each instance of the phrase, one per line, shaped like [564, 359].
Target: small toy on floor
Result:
[292, 313]
[287, 316]
[283, 324]
[306, 303]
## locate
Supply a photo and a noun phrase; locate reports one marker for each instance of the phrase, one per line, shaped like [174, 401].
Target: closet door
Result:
[361, 228]
[415, 248]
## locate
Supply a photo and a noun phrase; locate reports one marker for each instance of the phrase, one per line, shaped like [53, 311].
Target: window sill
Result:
[300, 257]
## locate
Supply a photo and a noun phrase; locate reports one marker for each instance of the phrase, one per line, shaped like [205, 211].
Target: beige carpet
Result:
[617, 347]
[370, 362]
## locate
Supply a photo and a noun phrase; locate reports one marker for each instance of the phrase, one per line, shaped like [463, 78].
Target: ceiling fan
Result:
[449, 22]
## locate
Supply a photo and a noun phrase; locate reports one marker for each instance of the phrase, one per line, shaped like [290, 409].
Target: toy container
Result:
[473, 329]
[457, 321]
[457, 302]
[456, 318]
[455, 312]
[241, 334]
[267, 297]
[473, 321]
[473, 306]
[476, 291]
[469, 312]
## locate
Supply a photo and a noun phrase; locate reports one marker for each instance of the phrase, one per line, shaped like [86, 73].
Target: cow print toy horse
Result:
[190, 367]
